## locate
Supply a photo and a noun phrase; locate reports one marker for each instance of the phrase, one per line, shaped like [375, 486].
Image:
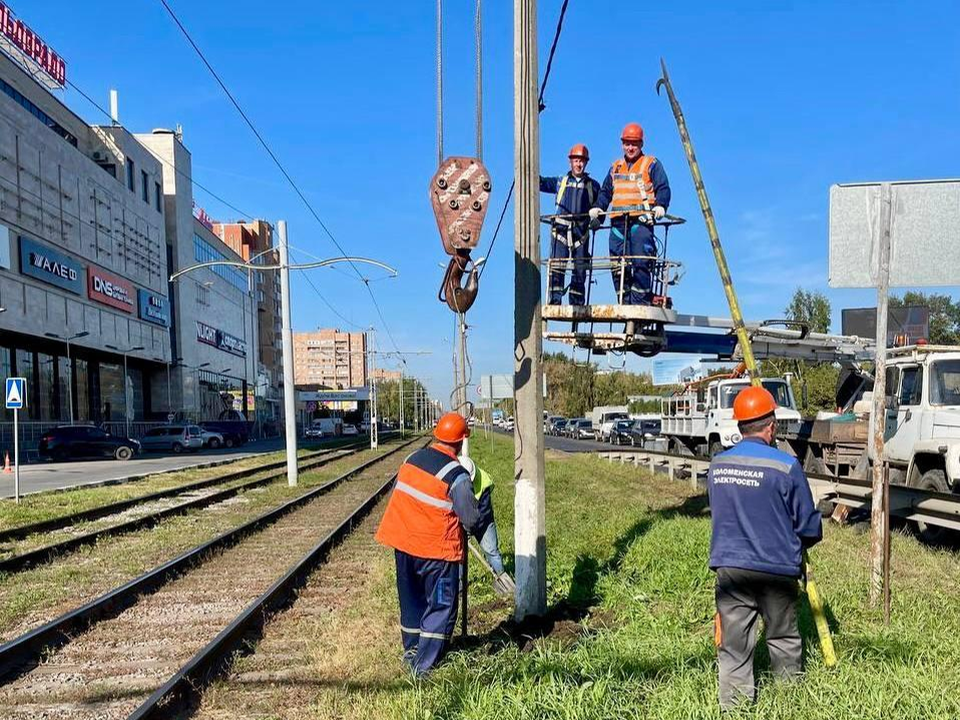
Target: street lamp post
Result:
[126, 399]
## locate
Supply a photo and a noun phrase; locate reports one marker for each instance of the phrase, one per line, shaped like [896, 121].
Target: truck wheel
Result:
[936, 481]
[716, 447]
[214, 444]
[228, 441]
[123, 453]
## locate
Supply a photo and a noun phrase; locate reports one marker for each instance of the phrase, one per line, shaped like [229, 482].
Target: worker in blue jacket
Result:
[763, 519]
[576, 193]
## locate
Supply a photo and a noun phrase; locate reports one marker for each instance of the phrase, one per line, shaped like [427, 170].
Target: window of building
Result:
[6, 370]
[63, 389]
[203, 296]
[39, 114]
[25, 369]
[111, 392]
[46, 398]
[82, 390]
[130, 174]
[158, 196]
[205, 252]
[145, 186]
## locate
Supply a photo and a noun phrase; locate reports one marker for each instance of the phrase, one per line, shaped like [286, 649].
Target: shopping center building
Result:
[93, 221]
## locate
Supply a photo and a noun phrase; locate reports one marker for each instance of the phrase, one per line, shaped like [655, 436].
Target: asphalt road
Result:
[40, 477]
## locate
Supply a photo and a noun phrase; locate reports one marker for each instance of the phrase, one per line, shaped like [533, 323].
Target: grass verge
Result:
[630, 628]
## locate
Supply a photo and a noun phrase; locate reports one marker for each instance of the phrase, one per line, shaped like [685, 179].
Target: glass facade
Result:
[6, 370]
[82, 389]
[25, 369]
[205, 252]
[63, 388]
[45, 398]
[39, 114]
[111, 392]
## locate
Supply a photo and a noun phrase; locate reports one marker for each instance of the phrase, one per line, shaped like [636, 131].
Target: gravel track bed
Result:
[106, 672]
[299, 649]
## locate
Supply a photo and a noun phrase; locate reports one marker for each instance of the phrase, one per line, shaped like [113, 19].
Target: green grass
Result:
[627, 560]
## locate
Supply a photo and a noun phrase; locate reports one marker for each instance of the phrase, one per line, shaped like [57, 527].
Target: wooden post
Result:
[530, 540]
[878, 522]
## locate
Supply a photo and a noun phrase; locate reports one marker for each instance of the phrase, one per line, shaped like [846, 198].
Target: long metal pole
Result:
[70, 382]
[16, 455]
[735, 314]
[529, 505]
[877, 520]
[463, 408]
[169, 396]
[374, 420]
[401, 401]
[289, 389]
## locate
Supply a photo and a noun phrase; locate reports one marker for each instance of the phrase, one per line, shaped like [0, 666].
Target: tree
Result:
[811, 307]
[944, 315]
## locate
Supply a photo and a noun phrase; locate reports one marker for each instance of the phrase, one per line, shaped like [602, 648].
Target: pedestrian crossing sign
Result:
[16, 393]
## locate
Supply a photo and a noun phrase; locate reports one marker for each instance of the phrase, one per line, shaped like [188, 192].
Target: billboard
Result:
[905, 325]
[50, 266]
[674, 370]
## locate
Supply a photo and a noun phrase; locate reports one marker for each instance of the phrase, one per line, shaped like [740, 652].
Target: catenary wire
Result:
[279, 165]
[542, 107]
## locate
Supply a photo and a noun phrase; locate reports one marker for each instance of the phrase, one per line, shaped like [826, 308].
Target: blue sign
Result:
[50, 265]
[153, 308]
[16, 393]
[674, 370]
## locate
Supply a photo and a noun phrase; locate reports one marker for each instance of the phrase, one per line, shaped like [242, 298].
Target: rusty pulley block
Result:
[460, 194]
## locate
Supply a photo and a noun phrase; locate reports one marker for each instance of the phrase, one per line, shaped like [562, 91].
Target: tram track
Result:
[145, 647]
[144, 511]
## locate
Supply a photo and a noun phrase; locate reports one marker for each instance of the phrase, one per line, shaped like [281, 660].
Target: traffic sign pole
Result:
[16, 455]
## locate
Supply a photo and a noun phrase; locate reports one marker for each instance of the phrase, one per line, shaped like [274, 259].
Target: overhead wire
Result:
[279, 165]
[542, 107]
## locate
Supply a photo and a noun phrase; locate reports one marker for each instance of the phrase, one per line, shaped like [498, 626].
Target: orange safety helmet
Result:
[452, 428]
[753, 403]
[632, 131]
[579, 150]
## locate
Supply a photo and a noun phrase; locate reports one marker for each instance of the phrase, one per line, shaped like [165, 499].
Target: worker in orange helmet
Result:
[576, 194]
[637, 193]
[763, 519]
[432, 498]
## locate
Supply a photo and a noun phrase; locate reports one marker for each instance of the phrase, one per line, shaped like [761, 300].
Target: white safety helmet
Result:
[469, 466]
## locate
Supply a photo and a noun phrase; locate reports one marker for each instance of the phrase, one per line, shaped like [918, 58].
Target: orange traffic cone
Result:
[6, 463]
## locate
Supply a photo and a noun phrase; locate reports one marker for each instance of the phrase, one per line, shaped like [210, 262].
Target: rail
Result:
[922, 506]
[22, 654]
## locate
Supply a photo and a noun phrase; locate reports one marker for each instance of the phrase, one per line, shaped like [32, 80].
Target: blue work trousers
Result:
[428, 591]
[490, 544]
[569, 243]
[628, 237]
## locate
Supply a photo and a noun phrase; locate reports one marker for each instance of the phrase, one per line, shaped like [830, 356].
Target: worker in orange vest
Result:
[432, 498]
[637, 193]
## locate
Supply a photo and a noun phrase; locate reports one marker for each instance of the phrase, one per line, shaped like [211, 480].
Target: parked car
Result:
[621, 432]
[235, 432]
[178, 438]
[644, 431]
[211, 439]
[568, 429]
[508, 424]
[583, 430]
[314, 431]
[556, 426]
[67, 442]
[349, 429]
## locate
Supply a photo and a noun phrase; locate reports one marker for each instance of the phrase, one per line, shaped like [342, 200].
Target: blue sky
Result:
[782, 99]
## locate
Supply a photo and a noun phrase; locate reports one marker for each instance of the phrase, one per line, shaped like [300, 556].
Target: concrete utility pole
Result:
[289, 389]
[530, 540]
[879, 507]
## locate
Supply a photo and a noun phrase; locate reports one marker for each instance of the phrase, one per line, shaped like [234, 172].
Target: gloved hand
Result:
[595, 216]
[658, 212]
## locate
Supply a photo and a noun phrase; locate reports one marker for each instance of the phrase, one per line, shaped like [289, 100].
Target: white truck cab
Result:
[701, 418]
[922, 423]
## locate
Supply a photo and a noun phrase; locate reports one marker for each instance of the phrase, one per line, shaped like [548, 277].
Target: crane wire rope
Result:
[542, 107]
[279, 165]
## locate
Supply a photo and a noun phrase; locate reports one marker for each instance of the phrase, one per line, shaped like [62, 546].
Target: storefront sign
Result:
[107, 288]
[221, 340]
[206, 334]
[231, 344]
[153, 308]
[49, 265]
[22, 44]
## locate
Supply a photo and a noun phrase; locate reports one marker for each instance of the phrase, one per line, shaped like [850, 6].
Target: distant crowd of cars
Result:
[621, 431]
[75, 442]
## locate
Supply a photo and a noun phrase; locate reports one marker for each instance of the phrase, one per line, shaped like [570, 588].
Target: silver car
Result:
[176, 438]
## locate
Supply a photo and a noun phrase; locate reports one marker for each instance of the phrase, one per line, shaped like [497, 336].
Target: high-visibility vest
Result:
[419, 519]
[481, 481]
[562, 188]
[632, 188]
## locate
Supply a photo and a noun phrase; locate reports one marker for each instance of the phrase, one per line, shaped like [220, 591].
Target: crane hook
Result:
[453, 292]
